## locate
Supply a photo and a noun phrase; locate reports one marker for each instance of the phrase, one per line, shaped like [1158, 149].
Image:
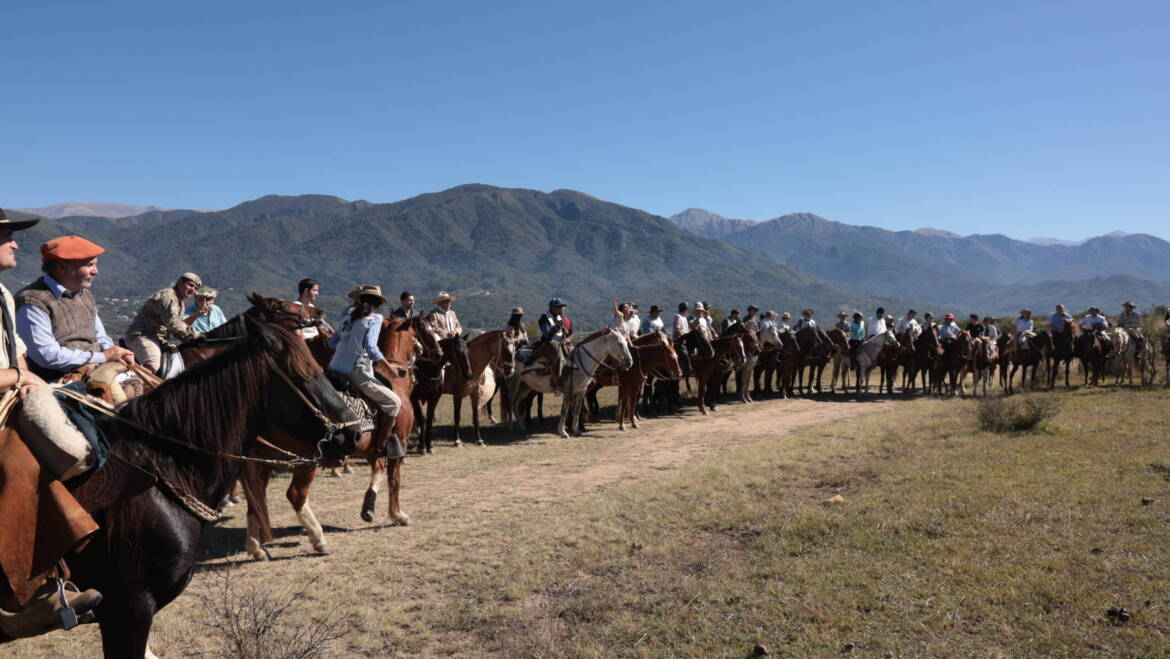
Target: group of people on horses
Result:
[52, 329]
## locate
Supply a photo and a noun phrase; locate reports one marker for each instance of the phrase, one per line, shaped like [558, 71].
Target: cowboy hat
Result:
[654, 307]
[367, 290]
[517, 311]
[1128, 303]
[842, 314]
[444, 295]
[15, 225]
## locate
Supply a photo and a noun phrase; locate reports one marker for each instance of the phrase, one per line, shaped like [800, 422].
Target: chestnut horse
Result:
[1039, 345]
[652, 353]
[483, 352]
[953, 365]
[815, 360]
[192, 433]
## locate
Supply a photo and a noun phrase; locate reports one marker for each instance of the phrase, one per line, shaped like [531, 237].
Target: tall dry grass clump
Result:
[264, 620]
[1016, 414]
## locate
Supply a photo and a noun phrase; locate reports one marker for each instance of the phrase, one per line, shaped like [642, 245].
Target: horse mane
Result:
[596, 335]
[206, 407]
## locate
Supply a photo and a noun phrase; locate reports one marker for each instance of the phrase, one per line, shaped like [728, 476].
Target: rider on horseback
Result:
[1022, 330]
[908, 324]
[1130, 319]
[32, 599]
[856, 336]
[356, 351]
[555, 329]
[1059, 320]
[1094, 325]
[161, 318]
[806, 320]
[949, 330]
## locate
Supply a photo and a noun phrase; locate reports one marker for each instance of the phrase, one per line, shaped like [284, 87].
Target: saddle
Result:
[365, 411]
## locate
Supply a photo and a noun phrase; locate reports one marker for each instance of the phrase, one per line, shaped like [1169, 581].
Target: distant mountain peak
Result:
[707, 224]
[90, 209]
[940, 233]
[1048, 242]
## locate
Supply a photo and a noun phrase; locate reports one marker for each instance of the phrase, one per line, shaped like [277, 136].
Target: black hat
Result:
[556, 302]
[654, 307]
[752, 307]
[15, 225]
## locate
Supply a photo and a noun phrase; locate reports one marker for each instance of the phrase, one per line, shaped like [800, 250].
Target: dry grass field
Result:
[706, 536]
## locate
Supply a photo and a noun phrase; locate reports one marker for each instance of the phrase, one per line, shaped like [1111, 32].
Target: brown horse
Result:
[984, 360]
[191, 433]
[1063, 351]
[483, 352]
[652, 353]
[1020, 358]
[819, 353]
[708, 371]
[1093, 354]
[908, 360]
[953, 365]
[396, 341]
[927, 356]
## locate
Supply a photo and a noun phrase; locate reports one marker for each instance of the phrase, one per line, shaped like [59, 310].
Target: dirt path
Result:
[458, 499]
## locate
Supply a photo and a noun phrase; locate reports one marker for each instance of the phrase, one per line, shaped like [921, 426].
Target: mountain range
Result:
[993, 273]
[495, 248]
[90, 209]
[492, 247]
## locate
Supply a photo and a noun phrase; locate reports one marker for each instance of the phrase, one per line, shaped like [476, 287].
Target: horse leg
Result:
[474, 398]
[298, 496]
[394, 483]
[566, 406]
[377, 466]
[125, 626]
[255, 479]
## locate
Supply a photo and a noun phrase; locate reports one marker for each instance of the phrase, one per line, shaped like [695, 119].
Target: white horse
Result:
[868, 353]
[984, 358]
[583, 362]
[1128, 351]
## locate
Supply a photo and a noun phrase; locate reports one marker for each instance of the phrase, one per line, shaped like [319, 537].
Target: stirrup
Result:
[68, 614]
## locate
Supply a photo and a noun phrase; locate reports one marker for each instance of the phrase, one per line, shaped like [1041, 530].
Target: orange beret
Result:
[70, 248]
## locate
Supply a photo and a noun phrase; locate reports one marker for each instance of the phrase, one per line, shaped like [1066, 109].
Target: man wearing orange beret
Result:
[57, 316]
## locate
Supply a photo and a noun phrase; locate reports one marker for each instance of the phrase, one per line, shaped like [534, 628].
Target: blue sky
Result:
[1030, 119]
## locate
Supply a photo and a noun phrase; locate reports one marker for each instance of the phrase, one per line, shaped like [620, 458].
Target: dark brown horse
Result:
[927, 357]
[1064, 345]
[454, 363]
[1027, 356]
[728, 351]
[953, 365]
[187, 432]
[1093, 353]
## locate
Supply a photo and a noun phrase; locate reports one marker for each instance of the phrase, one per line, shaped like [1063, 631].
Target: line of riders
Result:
[52, 333]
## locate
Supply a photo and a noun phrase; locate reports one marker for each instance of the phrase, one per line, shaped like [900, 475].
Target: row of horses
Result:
[255, 398]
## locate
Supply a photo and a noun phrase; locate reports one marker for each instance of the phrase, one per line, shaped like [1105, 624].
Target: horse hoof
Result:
[480, 442]
[368, 505]
[430, 450]
[335, 474]
[321, 548]
[458, 443]
[401, 519]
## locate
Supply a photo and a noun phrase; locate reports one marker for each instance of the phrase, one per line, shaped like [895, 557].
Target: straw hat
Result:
[444, 295]
[206, 291]
[369, 290]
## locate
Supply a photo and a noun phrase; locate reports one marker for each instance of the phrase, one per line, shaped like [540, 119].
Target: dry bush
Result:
[1018, 414]
[264, 620]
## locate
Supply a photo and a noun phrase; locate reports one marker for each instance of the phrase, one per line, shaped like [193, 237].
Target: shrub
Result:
[1018, 414]
[266, 621]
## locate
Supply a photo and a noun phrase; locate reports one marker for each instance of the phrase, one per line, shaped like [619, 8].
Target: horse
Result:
[483, 352]
[652, 353]
[867, 356]
[927, 353]
[586, 358]
[433, 376]
[983, 363]
[397, 343]
[953, 364]
[816, 359]
[780, 356]
[887, 363]
[751, 346]
[1063, 351]
[840, 354]
[908, 360]
[192, 432]
[1093, 355]
[727, 352]
[1129, 351]
[1038, 345]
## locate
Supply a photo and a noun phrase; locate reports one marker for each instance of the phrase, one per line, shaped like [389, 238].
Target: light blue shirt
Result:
[211, 320]
[36, 330]
[355, 340]
[1058, 320]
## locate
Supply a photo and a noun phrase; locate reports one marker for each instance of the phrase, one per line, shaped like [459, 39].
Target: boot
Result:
[45, 611]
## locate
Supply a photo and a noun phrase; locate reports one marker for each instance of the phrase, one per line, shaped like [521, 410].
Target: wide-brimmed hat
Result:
[70, 248]
[752, 307]
[517, 311]
[206, 291]
[1094, 310]
[842, 314]
[654, 307]
[368, 290]
[444, 295]
[193, 278]
[15, 225]
[699, 305]
[1128, 303]
[1025, 311]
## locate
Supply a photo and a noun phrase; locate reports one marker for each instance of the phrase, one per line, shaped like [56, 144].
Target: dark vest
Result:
[72, 319]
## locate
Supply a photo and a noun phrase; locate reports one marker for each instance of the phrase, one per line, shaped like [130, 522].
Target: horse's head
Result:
[455, 353]
[619, 348]
[696, 341]
[507, 357]
[302, 403]
[285, 313]
[888, 339]
[673, 369]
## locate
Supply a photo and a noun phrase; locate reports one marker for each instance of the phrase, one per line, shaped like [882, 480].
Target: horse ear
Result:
[256, 299]
[263, 334]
